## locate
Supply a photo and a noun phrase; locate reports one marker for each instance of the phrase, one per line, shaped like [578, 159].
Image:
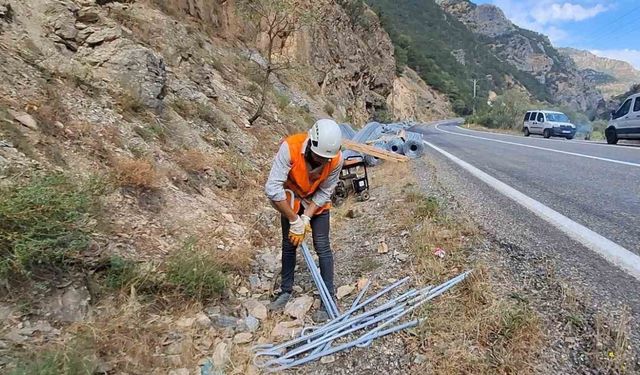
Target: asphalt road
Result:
[600, 194]
[594, 185]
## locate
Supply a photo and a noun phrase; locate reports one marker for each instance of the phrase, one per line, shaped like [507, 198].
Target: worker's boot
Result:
[321, 315]
[280, 301]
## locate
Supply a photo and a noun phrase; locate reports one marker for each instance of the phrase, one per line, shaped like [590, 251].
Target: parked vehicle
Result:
[625, 122]
[548, 124]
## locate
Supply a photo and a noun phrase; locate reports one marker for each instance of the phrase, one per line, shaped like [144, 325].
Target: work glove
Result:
[297, 231]
[307, 223]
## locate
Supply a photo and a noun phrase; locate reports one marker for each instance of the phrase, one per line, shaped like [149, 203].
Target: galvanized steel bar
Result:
[318, 342]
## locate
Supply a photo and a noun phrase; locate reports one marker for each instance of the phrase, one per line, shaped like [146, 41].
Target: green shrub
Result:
[44, 222]
[382, 115]
[282, 100]
[120, 273]
[70, 361]
[195, 273]
[506, 112]
[424, 206]
[190, 109]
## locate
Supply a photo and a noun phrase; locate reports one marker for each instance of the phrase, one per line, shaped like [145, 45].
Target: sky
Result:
[608, 28]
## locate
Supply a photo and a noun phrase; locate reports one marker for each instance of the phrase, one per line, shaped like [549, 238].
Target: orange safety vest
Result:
[299, 181]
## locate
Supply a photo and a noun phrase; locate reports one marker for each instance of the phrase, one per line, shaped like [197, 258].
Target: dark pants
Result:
[320, 228]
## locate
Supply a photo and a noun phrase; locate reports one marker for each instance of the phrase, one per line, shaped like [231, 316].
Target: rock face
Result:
[411, 98]
[219, 13]
[613, 77]
[352, 66]
[367, 69]
[138, 69]
[529, 52]
[484, 19]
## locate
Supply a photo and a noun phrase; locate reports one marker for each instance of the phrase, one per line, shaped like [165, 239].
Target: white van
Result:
[625, 122]
[548, 124]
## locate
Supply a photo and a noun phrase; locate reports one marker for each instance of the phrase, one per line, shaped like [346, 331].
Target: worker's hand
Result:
[307, 223]
[297, 231]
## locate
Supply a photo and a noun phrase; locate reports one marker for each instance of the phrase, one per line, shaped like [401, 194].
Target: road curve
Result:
[596, 186]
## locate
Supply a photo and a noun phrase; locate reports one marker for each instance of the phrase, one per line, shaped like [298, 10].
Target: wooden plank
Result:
[374, 151]
[384, 138]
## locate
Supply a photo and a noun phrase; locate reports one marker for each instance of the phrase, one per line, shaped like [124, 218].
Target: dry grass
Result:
[234, 261]
[52, 113]
[610, 344]
[472, 329]
[133, 338]
[194, 161]
[492, 130]
[135, 173]
[130, 104]
[212, 116]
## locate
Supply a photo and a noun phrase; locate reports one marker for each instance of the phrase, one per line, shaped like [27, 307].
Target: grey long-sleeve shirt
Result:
[274, 188]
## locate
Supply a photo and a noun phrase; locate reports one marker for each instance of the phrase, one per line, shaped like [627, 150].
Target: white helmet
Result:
[326, 138]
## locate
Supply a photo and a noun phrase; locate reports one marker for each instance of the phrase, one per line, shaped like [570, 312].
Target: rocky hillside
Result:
[528, 52]
[618, 75]
[452, 42]
[127, 162]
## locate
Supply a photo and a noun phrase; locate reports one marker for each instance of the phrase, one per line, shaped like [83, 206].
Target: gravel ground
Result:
[358, 229]
[578, 324]
[536, 263]
[573, 320]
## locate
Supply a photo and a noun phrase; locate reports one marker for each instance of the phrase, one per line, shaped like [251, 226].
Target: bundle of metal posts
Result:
[325, 295]
[392, 137]
[317, 342]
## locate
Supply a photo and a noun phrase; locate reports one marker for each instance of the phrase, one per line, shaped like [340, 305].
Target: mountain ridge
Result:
[451, 43]
[624, 75]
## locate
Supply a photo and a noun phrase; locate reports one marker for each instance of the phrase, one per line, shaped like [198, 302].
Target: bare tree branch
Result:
[278, 19]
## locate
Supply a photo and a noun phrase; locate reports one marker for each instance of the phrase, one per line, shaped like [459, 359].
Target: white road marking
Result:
[543, 148]
[609, 250]
[581, 141]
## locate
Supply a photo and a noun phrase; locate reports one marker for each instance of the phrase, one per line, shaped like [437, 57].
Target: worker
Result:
[303, 177]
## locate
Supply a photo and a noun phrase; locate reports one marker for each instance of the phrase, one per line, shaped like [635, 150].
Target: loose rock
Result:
[254, 282]
[328, 359]
[383, 248]
[102, 36]
[269, 262]
[298, 307]
[221, 355]
[224, 321]
[25, 119]
[286, 330]
[256, 309]
[185, 322]
[362, 283]
[87, 15]
[419, 359]
[202, 320]
[251, 323]
[72, 306]
[242, 338]
[344, 291]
